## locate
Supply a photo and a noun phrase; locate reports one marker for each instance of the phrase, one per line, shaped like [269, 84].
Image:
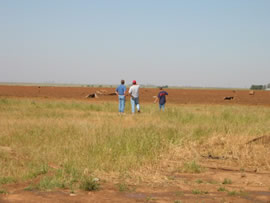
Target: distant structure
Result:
[267, 87]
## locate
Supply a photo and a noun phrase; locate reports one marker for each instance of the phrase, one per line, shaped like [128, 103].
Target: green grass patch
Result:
[31, 187]
[3, 191]
[89, 184]
[199, 192]
[221, 189]
[232, 193]
[199, 181]
[49, 183]
[227, 181]
[192, 167]
[237, 193]
[36, 171]
[6, 180]
[123, 187]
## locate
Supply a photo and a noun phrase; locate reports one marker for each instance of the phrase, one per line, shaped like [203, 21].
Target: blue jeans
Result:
[134, 102]
[162, 106]
[122, 101]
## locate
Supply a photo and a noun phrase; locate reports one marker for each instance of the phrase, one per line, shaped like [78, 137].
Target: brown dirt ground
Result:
[182, 187]
[250, 186]
[177, 96]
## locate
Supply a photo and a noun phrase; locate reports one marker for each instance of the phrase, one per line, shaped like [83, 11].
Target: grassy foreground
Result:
[65, 144]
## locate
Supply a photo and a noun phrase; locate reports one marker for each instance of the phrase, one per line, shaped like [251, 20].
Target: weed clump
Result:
[192, 167]
[199, 181]
[235, 193]
[5, 180]
[2, 191]
[227, 181]
[199, 192]
[122, 187]
[232, 193]
[222, 189]
[89, 184]
[31, 188]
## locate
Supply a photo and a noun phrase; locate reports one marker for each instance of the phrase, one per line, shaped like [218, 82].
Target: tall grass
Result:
[67, 142]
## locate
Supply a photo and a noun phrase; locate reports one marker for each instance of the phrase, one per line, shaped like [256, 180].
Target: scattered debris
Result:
[260, 140]
[229, 168]
[100, 93]
[72, 194]
[111, 94]
[210, 156]
[95, 179]
[94, 95]
[228, 98]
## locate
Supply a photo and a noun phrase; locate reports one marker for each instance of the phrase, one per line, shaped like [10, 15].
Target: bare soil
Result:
[177, 96]
[181, 187]
[207, 186]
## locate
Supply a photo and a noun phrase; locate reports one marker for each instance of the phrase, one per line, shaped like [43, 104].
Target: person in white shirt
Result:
[134, 96]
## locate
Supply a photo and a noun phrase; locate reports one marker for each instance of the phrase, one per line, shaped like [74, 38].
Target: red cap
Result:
[134, 82]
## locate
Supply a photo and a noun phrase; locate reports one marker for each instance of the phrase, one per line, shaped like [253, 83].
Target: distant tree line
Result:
[260, 87]
[164, 86]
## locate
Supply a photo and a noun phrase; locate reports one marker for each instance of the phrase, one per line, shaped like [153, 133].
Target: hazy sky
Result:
[221, 43]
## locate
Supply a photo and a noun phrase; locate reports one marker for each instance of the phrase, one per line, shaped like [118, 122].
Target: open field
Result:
[58, 146]
[176, 96]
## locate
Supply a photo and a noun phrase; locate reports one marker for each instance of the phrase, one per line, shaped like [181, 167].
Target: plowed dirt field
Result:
[176, 96]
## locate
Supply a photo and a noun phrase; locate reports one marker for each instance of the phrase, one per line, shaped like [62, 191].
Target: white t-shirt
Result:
[134, 90]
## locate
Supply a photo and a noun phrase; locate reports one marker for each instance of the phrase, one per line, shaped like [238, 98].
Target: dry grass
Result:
[65, 142]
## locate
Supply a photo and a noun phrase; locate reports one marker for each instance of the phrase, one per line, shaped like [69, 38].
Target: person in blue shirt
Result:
[162, 99]
[121, 92]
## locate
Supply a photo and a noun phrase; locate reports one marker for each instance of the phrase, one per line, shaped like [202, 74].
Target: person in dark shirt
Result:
[162, 99]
